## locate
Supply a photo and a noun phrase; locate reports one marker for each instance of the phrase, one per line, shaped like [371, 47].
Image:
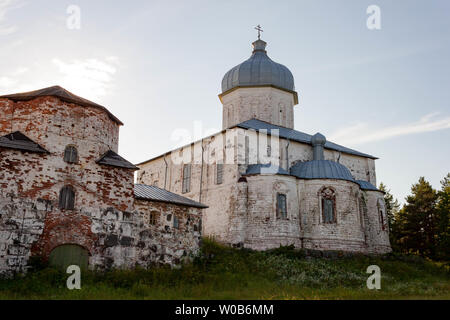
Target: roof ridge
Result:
[291, 136]
[61, 93]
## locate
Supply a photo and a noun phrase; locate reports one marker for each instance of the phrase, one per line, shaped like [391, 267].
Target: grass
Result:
[225, 273]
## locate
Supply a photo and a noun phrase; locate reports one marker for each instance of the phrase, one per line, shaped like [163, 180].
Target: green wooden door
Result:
[69, 254]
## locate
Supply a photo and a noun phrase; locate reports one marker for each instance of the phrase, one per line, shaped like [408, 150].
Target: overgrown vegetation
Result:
[422, 225]
[225, 273]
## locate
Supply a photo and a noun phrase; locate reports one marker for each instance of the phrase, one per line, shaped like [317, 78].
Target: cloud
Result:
[9, 80]
[5, 6]
[92, 77]
[360, 133]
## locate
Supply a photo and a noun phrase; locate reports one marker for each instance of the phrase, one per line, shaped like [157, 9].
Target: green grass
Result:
[226, 273]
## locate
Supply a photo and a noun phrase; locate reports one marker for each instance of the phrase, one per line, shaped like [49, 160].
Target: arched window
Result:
[152, 218]
[219, 173]
[67, 198]
[186, 185]
[328, 204]
[381, 214]
[362, 209]
[281, 206]
[176, 222]
[71, 154]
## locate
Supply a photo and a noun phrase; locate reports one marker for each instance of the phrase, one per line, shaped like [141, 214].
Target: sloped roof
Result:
[61, 93]
[364, 185]
[298, 136]
[17, 140]
[152, 193]
[265, 169]
[321, 169]
[110, 158]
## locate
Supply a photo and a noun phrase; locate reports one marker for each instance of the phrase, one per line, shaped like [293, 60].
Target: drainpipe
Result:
[201, 175]
[165, 174]
[287, 155]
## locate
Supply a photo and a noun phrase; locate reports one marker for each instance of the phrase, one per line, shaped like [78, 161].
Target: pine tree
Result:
[417, 222]
[443, 228]
[392, 206]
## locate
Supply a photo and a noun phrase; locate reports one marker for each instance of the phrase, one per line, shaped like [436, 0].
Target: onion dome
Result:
[258, 70]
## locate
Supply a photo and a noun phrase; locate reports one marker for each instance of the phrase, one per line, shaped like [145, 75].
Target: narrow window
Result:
[382, 219]
[176, 222]
[269, 147]
[66, 198]
[328, 205]
[281, 206]
[328, 210]
[152, 218]
[219, 173]
[71, 154]
[186, 178]
[380, 205]
[362, 210]
[247, 150]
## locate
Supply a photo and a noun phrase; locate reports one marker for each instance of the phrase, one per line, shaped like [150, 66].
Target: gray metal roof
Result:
[110, 158]
[258, 70]
[61, 93]
[152, 193]
[321, 169]
[364, 185]
[17, 140]
[295, 135]
[265, 169]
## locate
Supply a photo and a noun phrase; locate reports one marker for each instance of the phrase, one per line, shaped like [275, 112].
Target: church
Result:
[67, 196]
[266, 184]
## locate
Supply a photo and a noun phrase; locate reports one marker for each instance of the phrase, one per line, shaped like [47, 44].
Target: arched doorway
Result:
[69, 254]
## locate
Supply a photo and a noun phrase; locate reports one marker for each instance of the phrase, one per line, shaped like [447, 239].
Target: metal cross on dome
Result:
[258, 27]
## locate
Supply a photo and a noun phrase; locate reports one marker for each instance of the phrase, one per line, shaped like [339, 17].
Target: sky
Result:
[158, 66]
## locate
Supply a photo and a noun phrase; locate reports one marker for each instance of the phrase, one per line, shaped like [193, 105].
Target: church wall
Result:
[233, 204]
[263, 103]
[347, 233]
[221, 198]
[377, 230]
[105, 219]
[264, 229]
[113, 238]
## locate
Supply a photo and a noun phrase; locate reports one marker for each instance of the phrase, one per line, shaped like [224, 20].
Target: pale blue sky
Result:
[158, 65]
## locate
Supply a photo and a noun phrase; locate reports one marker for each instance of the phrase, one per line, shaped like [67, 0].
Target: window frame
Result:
[153, 218]
[381, 214]
[67, 198]
[327, 193]
[281, 215]
[186, 178]
[176, 222]
[247, 150]
[219, 173]
[73, 157]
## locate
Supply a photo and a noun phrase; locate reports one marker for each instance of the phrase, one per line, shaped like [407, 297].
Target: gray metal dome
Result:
[258, 70]
[321, 169]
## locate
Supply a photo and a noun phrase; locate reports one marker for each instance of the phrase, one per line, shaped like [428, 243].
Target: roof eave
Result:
[201, 206]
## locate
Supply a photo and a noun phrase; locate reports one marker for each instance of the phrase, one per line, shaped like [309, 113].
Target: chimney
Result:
[318, 141]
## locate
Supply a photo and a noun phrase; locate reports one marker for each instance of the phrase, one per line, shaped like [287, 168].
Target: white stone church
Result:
[266, 184]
